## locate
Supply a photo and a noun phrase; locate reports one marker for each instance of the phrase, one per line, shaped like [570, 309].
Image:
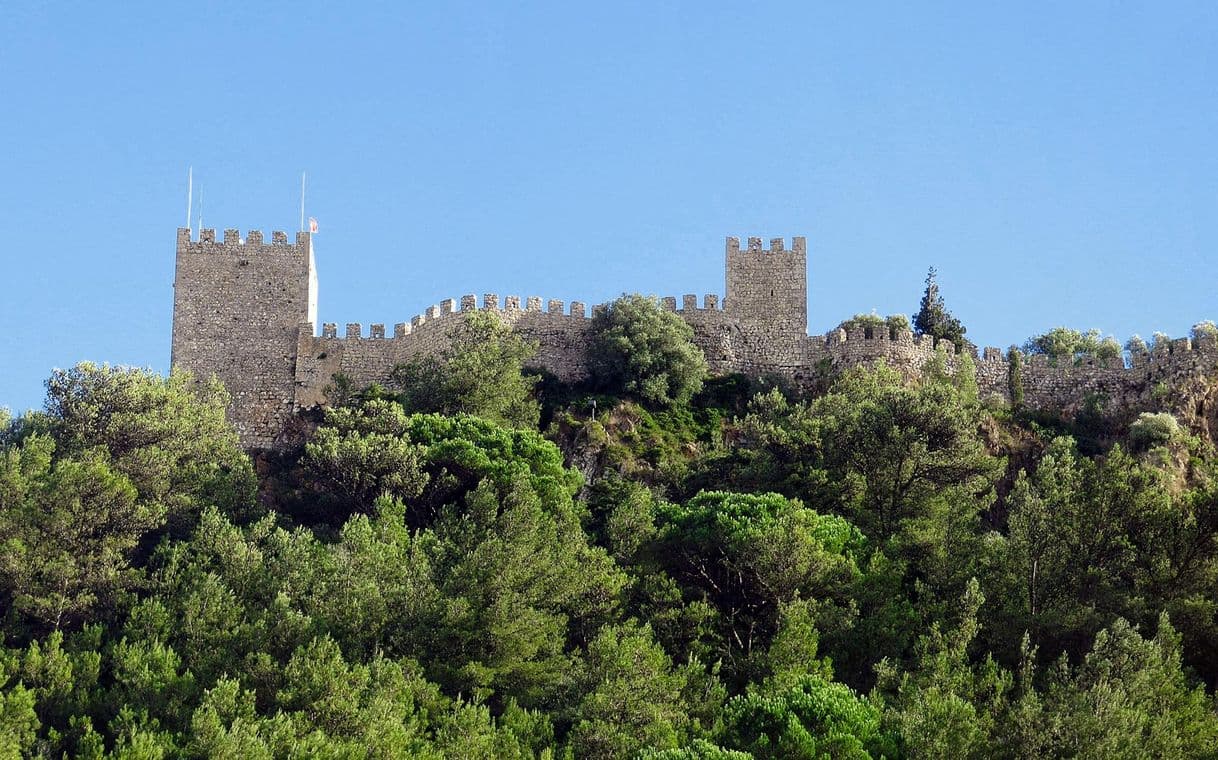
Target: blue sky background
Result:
[1056, 161]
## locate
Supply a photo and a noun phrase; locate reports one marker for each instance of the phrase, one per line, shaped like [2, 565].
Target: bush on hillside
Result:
[1150, 430]
[641, 350]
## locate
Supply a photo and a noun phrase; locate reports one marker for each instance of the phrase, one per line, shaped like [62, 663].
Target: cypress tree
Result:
[934, 319]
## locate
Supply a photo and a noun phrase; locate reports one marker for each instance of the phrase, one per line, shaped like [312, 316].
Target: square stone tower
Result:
[239, 306]
[766, 293]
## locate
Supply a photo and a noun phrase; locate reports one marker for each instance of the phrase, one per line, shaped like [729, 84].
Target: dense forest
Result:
[476, 561]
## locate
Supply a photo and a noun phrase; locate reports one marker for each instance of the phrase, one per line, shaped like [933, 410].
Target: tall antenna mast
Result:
[200, 210]
[190, 188]
[302, 194]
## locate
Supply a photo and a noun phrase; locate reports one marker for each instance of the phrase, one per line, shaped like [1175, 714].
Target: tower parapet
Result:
[768, 284]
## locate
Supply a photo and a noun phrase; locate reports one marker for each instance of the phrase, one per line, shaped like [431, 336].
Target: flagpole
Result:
[302, 196]
[190, 189]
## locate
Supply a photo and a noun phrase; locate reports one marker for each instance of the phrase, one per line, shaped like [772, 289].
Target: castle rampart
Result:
[245, 311]
[1061, 384]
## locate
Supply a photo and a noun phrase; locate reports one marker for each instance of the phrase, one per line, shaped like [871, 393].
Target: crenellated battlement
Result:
[689, 302]
[799, 245]
[207, 242]
[508, 307]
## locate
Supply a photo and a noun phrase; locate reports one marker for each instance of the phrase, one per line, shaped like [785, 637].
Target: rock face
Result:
[245, 312]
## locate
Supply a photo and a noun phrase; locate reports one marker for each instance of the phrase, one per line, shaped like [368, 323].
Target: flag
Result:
[312, 224]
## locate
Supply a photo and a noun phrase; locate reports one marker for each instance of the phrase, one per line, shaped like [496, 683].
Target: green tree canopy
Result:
[69, 530]
[86, 485]
[1093, 540]
[639, 349]
[775, 574]
[945, 704]
[633, 696]
[168, 435]
[1129, 697]
[363, 452]
[874, 448]
[752, 554]
[809, 719]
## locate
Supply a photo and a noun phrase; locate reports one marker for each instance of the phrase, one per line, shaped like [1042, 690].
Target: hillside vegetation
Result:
[476, 561]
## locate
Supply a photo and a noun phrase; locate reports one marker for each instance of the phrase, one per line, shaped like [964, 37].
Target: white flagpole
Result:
[190, 189]
[302, 194]
[200, 210]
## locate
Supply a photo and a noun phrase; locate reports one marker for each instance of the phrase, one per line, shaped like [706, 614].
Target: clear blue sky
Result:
[1056, 161]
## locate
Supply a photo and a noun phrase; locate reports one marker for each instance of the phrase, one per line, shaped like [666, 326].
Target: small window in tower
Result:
[771, 292]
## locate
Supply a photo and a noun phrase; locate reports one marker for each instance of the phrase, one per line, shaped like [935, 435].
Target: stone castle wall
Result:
[368, 356]
[245, 311]
[1059, 384]
[562, 334]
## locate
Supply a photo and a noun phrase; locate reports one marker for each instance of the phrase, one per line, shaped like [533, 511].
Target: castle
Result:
[245, 311]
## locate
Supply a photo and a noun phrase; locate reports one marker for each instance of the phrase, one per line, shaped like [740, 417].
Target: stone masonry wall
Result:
[561, 333]
[245, 311]
[1061, 384]
[1058, 384]
[369, 357]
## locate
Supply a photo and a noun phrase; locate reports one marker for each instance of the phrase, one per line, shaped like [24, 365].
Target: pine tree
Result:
[934, 319]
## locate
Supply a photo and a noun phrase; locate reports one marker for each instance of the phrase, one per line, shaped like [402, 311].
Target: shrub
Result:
[1205, 330]
[898, 323]
[1160, 391]
[1151, 429]
[481, 373]
[1067, 342]
[871, 320]
[641, 350]
[890, 325]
